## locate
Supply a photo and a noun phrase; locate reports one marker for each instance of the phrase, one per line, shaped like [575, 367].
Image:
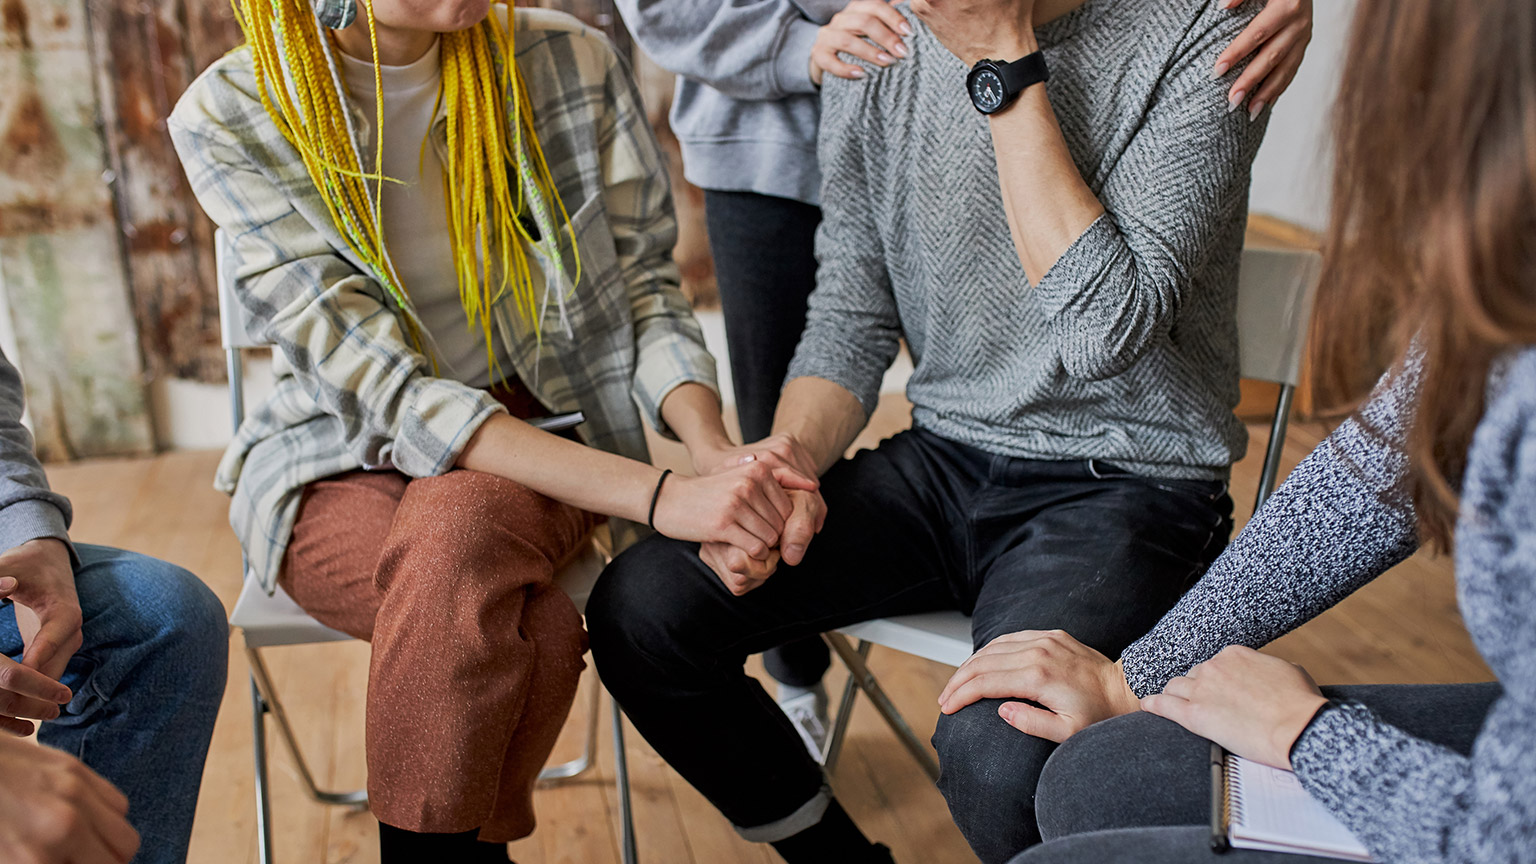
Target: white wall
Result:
[1290, 176]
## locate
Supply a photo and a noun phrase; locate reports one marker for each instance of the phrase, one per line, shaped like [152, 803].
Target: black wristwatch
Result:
[994, 85]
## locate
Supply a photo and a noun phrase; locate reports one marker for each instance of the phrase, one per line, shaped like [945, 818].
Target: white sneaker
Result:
[807, 712]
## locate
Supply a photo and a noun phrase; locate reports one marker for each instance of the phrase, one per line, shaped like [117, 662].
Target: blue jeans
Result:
[147, 683]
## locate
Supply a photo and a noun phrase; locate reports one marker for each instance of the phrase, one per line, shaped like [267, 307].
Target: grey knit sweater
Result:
[1339, 521]
[1127, 349]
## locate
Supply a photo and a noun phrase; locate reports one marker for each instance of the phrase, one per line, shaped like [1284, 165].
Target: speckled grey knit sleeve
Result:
[1336, 523]
[1408, 800]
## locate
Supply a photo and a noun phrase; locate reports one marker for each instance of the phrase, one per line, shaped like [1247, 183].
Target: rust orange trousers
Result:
[476, 654]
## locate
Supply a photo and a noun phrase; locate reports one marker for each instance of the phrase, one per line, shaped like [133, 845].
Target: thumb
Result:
[7, 586]
[1035, 721]
[789, 478]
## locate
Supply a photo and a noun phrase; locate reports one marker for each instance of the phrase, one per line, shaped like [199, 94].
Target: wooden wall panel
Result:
[60, 258]
[146, 55]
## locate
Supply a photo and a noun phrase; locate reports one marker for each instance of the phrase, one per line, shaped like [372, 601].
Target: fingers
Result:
[1267, 65]
[19, 728]
[801, 526]
[1036, 721]
[56, 641]
[31, 686]
[114, 837]
[1169, 707]
[792, 479]
[1275, 84]
[747, 542]
[7, 586]
[778, 499]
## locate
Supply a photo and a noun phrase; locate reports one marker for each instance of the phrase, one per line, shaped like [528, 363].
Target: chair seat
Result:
[944, 637]
[273, 620]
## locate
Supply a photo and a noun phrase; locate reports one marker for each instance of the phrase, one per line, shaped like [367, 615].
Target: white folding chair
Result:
[1274, 310]
[274, 620]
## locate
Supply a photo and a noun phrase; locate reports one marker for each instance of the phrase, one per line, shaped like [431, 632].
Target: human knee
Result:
[144, 601]
[640, 606]
[1125, 772]
[987, 773]
[460, 524]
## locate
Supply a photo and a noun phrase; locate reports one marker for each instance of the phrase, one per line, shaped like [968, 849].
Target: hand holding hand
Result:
[1275, 42]
[981, 29]
[778, 452]
[742, 572]
[746, 507]
[54, 810]
[872, 20]
[1077, 685]
[1252, 704]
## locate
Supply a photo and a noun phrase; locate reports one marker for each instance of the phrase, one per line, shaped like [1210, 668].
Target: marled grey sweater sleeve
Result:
[1414, 802]
[29, 510]
[852, 328]
[1339, 521]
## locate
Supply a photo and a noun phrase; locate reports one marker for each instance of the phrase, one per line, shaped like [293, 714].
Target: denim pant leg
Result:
[1092, 551]
[1137, 788]
[670, 641]
[765, 266]
[147, 682]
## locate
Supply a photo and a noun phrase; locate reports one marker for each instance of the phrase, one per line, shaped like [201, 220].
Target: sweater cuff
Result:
[34, 520]
[792, 62]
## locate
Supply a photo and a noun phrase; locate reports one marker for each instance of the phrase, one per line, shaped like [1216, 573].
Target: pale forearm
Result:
[823, 416]
[692, 412]
[569, 472]
[1045, 199]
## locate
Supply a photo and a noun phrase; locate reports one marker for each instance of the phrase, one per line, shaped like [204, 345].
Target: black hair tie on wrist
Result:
[655, 497]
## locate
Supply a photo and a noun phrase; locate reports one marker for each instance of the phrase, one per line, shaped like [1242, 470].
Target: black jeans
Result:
[765, 265]
[1137, 788]
[918, 524]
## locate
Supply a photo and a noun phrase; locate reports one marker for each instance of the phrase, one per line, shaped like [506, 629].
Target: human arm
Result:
[747, 50]
[1339, 520]
[1404, 798]
[1111, 262]
[36, 552]
[55, 810]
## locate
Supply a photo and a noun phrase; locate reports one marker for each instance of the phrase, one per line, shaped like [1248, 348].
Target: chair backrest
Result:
[1274, 310]
[234, 327]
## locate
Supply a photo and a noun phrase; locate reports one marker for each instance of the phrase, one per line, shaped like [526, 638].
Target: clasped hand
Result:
[783, 473]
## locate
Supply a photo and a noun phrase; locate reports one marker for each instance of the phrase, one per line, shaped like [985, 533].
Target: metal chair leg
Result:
[357, 799]
[263, 800]
[566, 770]
[834, 746]
[871, 687]
[621, 779]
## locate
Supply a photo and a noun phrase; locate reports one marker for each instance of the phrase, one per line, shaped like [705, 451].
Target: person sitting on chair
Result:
[451, 218]
[1072, 395]
[1430, 272]
[121, 657]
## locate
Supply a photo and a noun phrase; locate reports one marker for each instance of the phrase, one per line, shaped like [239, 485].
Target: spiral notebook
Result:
[1254, 806]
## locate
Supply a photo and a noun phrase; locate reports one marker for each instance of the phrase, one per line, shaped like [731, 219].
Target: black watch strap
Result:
[1024, 73]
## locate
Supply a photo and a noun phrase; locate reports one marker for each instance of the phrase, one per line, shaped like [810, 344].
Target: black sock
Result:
[833, 840]
[399, 846]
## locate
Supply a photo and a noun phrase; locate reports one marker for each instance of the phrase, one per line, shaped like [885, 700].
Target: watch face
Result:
[987, 90]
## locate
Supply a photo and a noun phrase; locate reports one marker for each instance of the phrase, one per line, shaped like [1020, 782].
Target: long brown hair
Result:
[1431, 243]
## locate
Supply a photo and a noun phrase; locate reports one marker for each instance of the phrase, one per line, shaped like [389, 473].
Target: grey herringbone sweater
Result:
[1127, 349]
[1342, 519]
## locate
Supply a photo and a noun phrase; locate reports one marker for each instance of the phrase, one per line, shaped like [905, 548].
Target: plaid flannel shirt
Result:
[351, 392]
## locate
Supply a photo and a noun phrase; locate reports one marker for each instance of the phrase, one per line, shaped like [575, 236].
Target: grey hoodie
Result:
[746, 111]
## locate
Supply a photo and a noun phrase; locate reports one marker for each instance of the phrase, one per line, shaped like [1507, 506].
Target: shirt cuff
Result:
[792, 63]
[443, 416]
[31, 519]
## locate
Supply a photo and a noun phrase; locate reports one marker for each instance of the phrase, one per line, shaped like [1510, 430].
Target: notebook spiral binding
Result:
[1233, 808]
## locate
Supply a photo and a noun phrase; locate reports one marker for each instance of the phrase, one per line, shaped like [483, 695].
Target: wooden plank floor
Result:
[1403, 628]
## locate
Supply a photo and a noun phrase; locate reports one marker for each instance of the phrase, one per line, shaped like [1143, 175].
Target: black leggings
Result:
[1137, 788]
[765, 264]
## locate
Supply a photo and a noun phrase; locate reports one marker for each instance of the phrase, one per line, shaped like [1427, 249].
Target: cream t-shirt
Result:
[415, 211]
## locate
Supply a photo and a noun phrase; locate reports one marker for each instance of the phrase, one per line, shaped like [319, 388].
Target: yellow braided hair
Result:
[489, 207]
